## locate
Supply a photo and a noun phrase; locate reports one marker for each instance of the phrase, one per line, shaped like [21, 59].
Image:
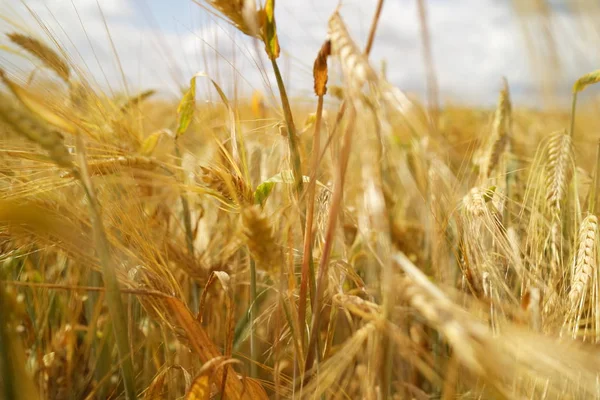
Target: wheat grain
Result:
[586, 262]
[48, 56]
[260, 238]
[499, 137]
[355, 65]
[229, 185]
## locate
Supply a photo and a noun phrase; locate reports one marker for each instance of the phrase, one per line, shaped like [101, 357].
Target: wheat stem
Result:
[307, 260]
[596, 184]
[113, 294]
[189, 232]
[253, 309]
[291, 128]
[336, 202]
[573, 109]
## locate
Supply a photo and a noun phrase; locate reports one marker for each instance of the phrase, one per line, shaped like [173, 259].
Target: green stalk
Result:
[289, 121]
[111, 284]
[595, 185]
[573, 107]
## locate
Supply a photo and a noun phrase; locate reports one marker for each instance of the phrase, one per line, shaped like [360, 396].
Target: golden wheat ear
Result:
[586, 261]
[230, 185]
[260, 238]
[499, 137]
[240, 13]
[355, 65]
[36, 131]
[45, 54]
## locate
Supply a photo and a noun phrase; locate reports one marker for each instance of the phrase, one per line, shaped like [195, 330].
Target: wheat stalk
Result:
[474, 202]
[240, 13]
[499, 137]
[558, 170]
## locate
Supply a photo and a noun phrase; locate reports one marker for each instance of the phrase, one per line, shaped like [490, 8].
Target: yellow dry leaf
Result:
[150, 143]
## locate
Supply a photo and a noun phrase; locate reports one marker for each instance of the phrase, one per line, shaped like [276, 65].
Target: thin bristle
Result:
[558, 170]
[499, 138]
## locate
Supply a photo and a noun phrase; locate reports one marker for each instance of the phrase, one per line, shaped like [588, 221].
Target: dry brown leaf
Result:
[320, 69]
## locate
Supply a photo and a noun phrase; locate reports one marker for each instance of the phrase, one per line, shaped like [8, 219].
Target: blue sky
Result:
[160, 44]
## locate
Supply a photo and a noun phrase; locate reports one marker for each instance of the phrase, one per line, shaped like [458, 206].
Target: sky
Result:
[160, 44]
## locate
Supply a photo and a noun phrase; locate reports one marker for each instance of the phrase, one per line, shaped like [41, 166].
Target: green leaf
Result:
[489, 194]
[271, 40]
[185, 110]
[263, 190]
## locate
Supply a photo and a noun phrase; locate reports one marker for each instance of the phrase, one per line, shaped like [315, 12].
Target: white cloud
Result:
[161, 44]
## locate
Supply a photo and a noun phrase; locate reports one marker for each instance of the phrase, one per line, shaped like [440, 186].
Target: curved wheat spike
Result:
[115, 164]
[499, 137]
[558, 172]
[586, 262]
[240, 13]
[260, 238]
[44, 53]
[355, 65]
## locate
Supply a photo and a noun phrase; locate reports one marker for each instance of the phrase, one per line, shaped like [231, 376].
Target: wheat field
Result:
[361, 244]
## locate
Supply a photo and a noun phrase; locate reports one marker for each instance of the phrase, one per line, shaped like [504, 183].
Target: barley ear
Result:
[260, 238]
[240, 13]
[29, 127]
[44, 53]
[355, 65]
[586, 262]
[500, 131]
